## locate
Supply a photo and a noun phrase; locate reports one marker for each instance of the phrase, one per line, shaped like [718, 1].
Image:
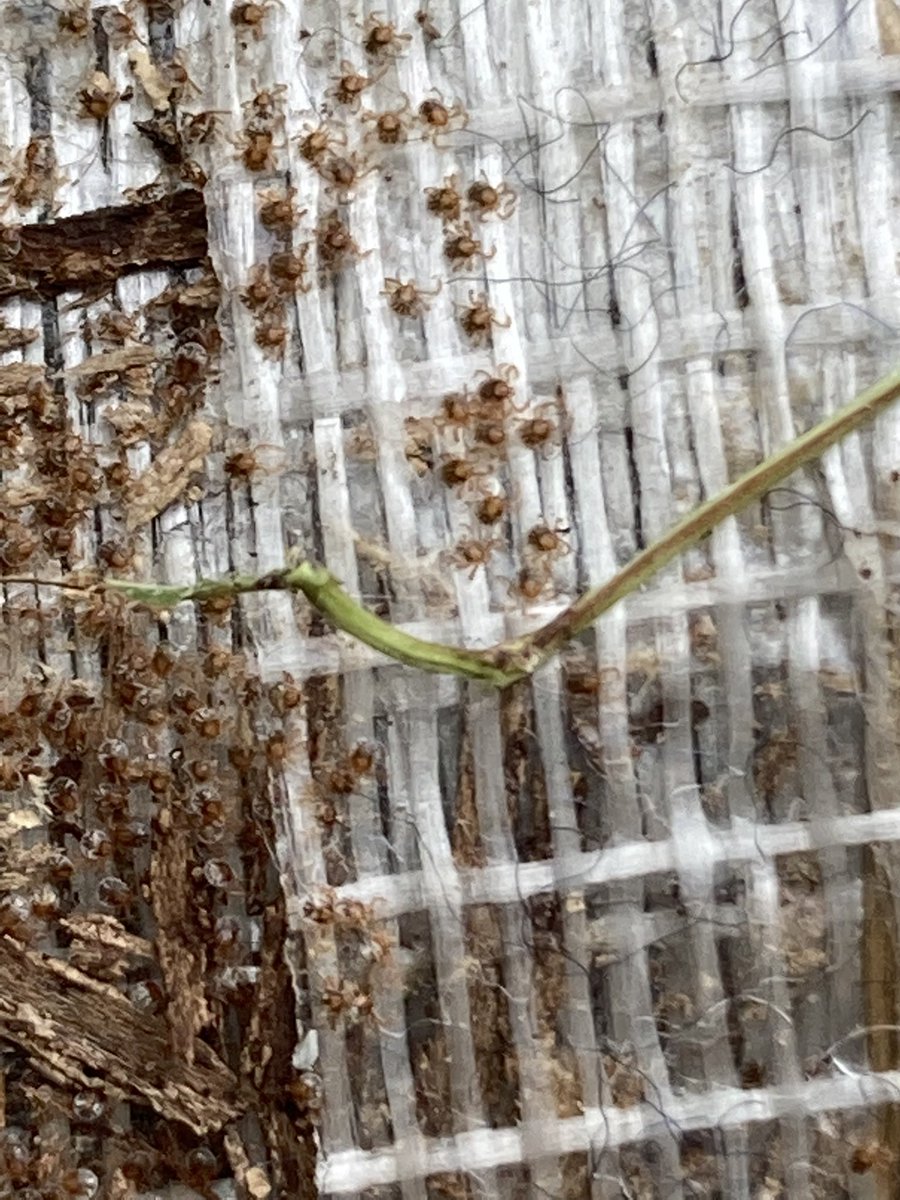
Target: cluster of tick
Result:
[479, 423]
[71, 743]
[344, 146]
[164, 743]
[70, 478]
[339, 929]
[363, 947]
[457, 207]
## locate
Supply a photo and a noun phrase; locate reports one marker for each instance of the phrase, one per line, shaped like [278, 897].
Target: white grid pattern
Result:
[639, 184]
[727, 1109]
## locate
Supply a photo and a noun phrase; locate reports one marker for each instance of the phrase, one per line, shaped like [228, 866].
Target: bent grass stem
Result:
[504, 664]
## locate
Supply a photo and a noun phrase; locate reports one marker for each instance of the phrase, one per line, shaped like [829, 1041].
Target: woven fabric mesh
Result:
[628, 929]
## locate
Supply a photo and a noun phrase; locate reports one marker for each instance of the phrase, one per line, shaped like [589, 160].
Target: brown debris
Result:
[76, 1029]
[888, 17]
[526, 788]
[168, 476]
[102, 946]
[92, 250]
[266, 1068]
[495, 1051]
[252, 1182]
[178, 940]
[112, 362]
[133, 420]
[468, 847]
[157, 87]
[432, 1069]
[879, 972]
[804, 926]
[626, 1082]
[449, 1185]
[22, 495]
[16, 378]
[15, 339]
